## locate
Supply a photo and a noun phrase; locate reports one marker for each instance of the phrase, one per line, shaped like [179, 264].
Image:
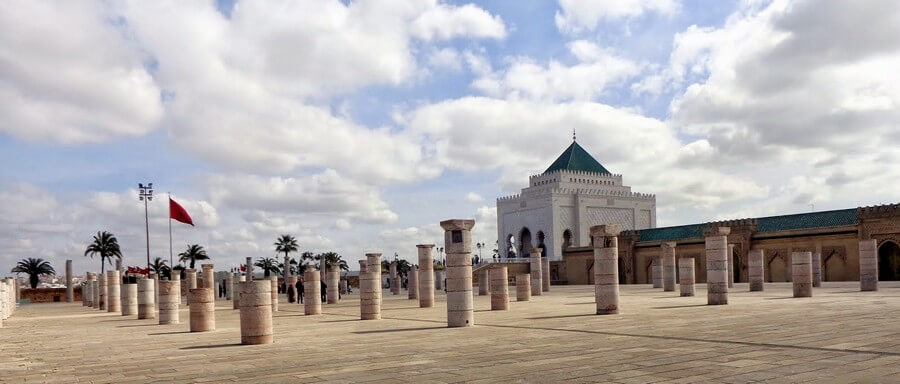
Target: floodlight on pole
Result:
[145, 194]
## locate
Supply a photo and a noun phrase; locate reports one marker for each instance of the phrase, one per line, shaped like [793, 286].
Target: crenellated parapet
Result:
[878, 211]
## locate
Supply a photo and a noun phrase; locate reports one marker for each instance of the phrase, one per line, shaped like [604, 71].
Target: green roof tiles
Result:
[576, 158]
[811, 220]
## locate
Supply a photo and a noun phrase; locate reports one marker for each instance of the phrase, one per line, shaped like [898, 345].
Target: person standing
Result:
[299, 291]
[324, 294]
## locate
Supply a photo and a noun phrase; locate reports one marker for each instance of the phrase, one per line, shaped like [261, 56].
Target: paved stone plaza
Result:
[840, 335]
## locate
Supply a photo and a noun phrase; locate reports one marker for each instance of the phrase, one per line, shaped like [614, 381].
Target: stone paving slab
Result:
[839, 335]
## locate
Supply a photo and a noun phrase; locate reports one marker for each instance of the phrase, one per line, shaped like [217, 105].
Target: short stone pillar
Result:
[229, 285]
[801, 273]
[523, 287]
[439, 279]
[89, 289]
[426, 275]
[717, 266]
[113, 292]
[412, 284]
[273, 280]
[103, 288]
[344, 284]
[668, 266]
[483, 283]
[209, 278]
[656, 272]
[312, 292]
[292, 289]
[248, 269]
[256, 310]
[333, 275]
[730, 265]
[191, 283]
[129, 299]
[370, 288]
[235, 289]
[169, 300]
[756, 270]
[817, 269]
[70, 289]
[155, 294]
[686, 275]
[95, 290]
[868, 265]
[458, 245]
[499, 288]
[395, 279]
[146, 299]
[203, 308]
[362, 267]
[537, 277]
[606, 268]
[545, 274]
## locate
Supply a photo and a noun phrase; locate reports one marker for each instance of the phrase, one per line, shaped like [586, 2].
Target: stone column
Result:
[656, 272]
[286, 273]
[103, 292]
[256, 311]
[312, 289]
[362, 267]
[717, 267]
[537, 276]
[499, 288]
[756, 270]
[203, 308]
[146, 299]
[426, 275]
[229, 282]
[395, 280]
[817, 269]
[292, 288]
[668, 266]
[801, 273]
[483, 282]
[458, 244]
[273, 280]
[85, 290]
[70, 289]
[334, 279]
[606, 268]
[156, 279]
[523, 287]
[129, 299]
[169, 300]
[95, 290]
[3, 301]
[248, 270]
[686, 273]
[89, 285]
[730, 265]
[545, 274]
[439, 279]
[370, 288]
[191, 283]
[412, 284]
[236, 289]
[868, 265]
[343, 284]
[209, 278]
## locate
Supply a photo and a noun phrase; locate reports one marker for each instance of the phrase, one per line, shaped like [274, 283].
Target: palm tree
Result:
[286, 244]
[34, 268]
[333, 259]
[107, 246]
[159, 266]
[403, 267]
[193, 253]
[268, 265]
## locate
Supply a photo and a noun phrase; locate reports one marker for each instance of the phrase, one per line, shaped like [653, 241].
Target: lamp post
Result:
[145, 194]
[479, 246]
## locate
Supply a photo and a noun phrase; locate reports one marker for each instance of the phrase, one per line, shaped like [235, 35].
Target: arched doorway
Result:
[525, 242]
[888, 261]
[510, 246]
[834, 267]
[777, 269]
[621, 265]
[567, 239]
[540, 243]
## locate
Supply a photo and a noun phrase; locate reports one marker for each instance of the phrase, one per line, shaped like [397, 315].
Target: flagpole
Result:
[171, 260]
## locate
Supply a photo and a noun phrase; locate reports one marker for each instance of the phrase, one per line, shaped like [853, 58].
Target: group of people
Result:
[299, 291]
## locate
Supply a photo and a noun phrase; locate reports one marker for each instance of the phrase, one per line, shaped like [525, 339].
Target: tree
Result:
[160, 268]
[34, 268]
[286, 244]
[193, 253]
[268, 265]
[107, 246]
[333, 259]
[297, 267]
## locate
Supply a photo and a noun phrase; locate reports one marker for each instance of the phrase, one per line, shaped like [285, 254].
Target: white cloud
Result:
[445, 58]
[473, 197]
[580, 15]
[442, 21]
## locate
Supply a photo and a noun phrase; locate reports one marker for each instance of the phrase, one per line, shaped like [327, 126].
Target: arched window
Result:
[525, 245]
[540, 243]
[567, 239]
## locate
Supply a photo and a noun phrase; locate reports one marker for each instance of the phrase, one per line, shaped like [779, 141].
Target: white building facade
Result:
[559, 206]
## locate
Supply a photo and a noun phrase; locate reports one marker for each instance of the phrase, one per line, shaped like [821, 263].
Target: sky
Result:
[357, 126]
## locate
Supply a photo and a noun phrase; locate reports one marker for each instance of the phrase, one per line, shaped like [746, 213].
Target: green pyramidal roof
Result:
[576, 158]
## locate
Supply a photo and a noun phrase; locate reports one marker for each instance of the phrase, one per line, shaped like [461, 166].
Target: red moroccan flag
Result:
[178, 213]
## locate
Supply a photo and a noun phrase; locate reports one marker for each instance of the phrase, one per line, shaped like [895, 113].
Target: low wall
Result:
[48, 295]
